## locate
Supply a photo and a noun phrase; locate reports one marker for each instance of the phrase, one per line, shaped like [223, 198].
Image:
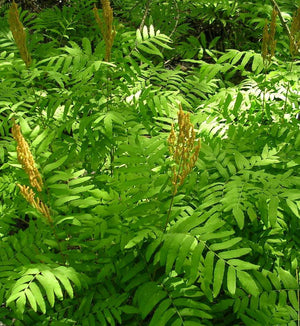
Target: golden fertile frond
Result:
[29, 195]
[268, 40]
[18, 33]
[26, 159]
[183, 148]
[295, 34]
[106, 26]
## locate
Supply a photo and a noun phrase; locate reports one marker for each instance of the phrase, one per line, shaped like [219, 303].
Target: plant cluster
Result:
[112, 211]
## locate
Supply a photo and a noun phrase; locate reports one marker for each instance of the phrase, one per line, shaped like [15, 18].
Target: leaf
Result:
[159, 311]
[231, 280]
[218, 277]
[148, 296]
[273, 205]
[151, 31]
[293, 207]
[31, 299]
[257, 64]
[54, 165]
[151, 248]
[51, 286]
[226, 244]
[65, 281]
[174, 245]
[145, 32]
[38, 296]
[61, 201]
[241, 161]
[139, 36]
[234, 253]
[20, 303]
[288, 280]
[248, 283]
[208, 267]
[86, 45]
[293, 299]
[183, 252]
[242, 265]
[246, 59]
[48, 288]
[149, 48]
[239, 216]
[237, 103]
[195, 261]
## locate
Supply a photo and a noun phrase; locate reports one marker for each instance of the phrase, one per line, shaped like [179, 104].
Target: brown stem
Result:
[145, 15]
[176, 18]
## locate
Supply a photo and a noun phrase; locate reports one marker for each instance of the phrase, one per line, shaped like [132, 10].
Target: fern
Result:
[124, 248]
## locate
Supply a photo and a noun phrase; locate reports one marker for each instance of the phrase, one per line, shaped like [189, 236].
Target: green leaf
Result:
[48, 288]
[31, 299]
[241, 161]
[273, 205]
[139, 36]
[218, 277]
[173, 246]
[145, 32]
[248, 283]
[293, 299]
[184, 249]
[20, 303]
[86, 44]
[24, 127]
[237, 103]
[51, 286]
[242, 265]
[159, 311]
[234, 253]
[231, 280]
[293, 207]
[257, 64]
[195, 261]
[246, 59]
[151, 248]
[288, 280]
[239, 216]
[65, 281]
[149, 48]
[54, 165]
[38, 296]
[61, 201]
[226, 244]
[151, 31]
[148, 296]
[208, 267]
[167, 316]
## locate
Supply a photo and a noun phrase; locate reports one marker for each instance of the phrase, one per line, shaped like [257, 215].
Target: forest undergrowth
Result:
[149, 158]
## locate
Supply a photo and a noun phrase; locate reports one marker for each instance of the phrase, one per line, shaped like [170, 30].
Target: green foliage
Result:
[98, 131]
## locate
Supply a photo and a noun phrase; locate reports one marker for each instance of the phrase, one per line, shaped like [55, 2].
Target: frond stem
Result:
[173, 195]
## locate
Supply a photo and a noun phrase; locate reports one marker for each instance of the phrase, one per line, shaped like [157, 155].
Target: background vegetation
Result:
[118, 245]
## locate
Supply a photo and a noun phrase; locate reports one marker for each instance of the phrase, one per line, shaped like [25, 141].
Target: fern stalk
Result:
[19, 33]
[105, 24]
[173, 196]
[184, 152]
